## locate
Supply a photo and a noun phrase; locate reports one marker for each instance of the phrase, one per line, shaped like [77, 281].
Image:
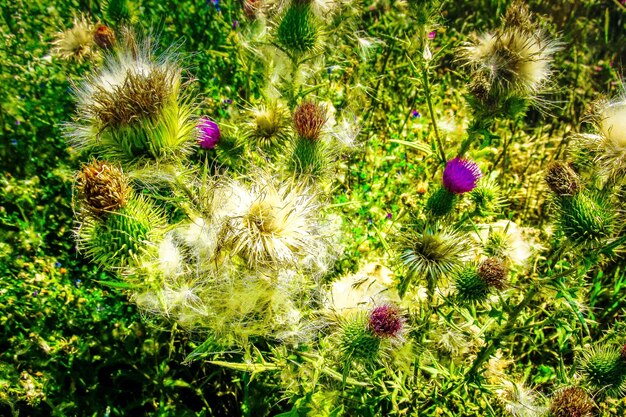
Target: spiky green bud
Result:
[604, 370]
[571, 402]
[487, 197]
[309, 157]
[441, 202]
[117, 240]
[470, 286]
[585, 219]
[562, 179]
[358, 341]
[298, 30]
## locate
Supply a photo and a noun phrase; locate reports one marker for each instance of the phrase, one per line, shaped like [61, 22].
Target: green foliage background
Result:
[71, 346]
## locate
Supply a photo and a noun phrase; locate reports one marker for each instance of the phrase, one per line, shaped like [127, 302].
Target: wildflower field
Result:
[300, 208]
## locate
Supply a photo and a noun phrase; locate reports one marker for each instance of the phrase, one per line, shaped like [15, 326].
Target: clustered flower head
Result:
[309, 119]
[208, 133]
[461, 175]
[608, 145]
[385, 321]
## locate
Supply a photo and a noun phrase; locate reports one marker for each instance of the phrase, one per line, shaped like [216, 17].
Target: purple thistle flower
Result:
[432, 34]
[209, 133]
[386, 321]
[461, 175]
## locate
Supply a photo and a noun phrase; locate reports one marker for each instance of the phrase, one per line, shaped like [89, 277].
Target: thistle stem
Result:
[442, 154]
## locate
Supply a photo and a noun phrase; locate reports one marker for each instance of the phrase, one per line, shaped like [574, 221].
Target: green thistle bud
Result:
[494, 272]
[470, 286]
[585, 219]
[309, 157]
[604, 370]
[298, 31]
[487, 197]
[562, 179]
[441, 202]
[102, 188]
[118, 239]
[571, 402]
[358, 341]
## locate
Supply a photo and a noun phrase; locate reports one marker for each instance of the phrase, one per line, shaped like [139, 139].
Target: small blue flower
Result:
[416, 114]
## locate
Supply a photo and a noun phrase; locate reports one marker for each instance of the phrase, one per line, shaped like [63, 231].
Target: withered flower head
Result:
[309, 119]
[102, 187]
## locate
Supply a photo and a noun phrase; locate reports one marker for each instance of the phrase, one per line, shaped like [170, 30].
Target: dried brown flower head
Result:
[562, 179]
[102, 187]
[309, 119]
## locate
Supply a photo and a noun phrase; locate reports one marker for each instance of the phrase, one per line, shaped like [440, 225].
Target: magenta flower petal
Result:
[208, 133]
[461, 175]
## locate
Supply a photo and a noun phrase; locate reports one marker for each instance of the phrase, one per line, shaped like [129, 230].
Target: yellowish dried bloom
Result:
[76, 43]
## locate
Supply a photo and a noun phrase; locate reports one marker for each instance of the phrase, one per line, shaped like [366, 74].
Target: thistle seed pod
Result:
[104, 36]
[571, 402]
[494, 272]
[75, 43]
[562, 179]
[309, 119]
[102, 187]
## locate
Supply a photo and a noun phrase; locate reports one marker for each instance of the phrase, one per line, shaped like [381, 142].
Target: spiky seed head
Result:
[104, 36]
[298, 30]
[269, 224]
[358, 341]
[470, 286]
[461, 175]
[309, 119]
[433, 253]
[269, 125]
[612, 122]
[75, 43]
[571, 402]
[386, 321]
[494, 272]
[117, 240]
[208, 133]
[441, 202]
[585, 218]
[562, 179]
[513, 60]
[604, 370]
[140, 97]
[102, 187]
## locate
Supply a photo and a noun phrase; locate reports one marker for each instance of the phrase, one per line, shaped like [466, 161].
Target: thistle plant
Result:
[133, 110]
[604, 369]
[459, 176]
[571, 402]
[77, 43]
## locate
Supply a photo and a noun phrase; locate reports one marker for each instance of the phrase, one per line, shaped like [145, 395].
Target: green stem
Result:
[486, 352]
[442, 153]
